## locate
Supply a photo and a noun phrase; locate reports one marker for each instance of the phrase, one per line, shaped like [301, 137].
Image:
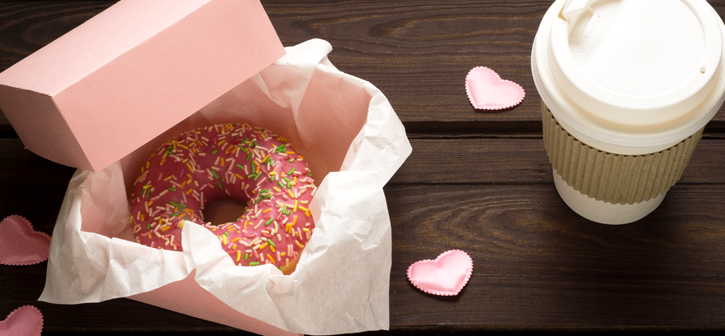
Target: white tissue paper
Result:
[353, 142]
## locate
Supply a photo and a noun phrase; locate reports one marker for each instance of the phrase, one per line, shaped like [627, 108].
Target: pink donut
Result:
[235, 161]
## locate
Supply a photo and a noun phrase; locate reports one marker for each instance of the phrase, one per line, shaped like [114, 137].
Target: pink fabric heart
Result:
[24, 321]
[20, 244]
[444, 276]
[487, 91]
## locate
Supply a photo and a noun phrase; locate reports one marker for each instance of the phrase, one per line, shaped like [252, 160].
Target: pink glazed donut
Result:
[236, 161]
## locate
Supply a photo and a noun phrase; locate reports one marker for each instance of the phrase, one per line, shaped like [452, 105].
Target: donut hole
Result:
[223, 211]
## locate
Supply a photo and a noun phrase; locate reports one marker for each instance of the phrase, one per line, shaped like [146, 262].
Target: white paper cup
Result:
[627, 87]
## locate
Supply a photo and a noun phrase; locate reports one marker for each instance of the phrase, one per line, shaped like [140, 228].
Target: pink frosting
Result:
[233, 161]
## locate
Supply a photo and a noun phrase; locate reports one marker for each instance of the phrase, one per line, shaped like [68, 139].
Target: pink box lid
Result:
[101, 91]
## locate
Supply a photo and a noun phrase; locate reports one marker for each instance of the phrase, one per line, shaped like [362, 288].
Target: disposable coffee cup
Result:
[627, 87]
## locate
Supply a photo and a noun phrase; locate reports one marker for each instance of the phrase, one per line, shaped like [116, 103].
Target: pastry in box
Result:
[95, 119]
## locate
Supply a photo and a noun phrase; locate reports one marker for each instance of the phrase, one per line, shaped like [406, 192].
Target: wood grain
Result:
[27, 26]
[520, 161]
[417, 52]
[476, 181]
[538, 265]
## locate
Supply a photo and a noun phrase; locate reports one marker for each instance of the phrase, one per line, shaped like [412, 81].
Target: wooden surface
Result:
[476, 181]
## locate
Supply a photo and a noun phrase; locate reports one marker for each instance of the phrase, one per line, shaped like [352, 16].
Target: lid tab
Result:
[637, 63]
[575, 8]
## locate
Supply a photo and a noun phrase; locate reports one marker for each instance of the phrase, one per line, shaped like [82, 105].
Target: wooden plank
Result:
[26, 26]
[23, 285]
[418, 53]
[538, 265]
[433, 161]
[32, 186]
[475, 181]
[19, 166]
[520, 161]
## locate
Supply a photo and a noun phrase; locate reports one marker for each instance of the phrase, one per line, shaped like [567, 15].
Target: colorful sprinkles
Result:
[234, 161]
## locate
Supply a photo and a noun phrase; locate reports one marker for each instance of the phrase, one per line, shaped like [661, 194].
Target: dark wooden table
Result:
[476, 181]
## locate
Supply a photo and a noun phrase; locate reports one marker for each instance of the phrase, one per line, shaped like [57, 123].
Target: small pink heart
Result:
[24, 321]
[20, 244]
[487, 91]
[444, 276]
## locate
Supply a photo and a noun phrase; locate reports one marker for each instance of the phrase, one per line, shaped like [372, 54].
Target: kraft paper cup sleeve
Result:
[610, 177]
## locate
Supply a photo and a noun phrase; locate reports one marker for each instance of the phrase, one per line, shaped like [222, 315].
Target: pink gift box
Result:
[129, 74]
[103, 97]
[188, 298]
[125, 76]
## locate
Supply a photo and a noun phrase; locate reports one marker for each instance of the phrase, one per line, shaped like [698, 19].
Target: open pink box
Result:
[104, 96]
[129, 73]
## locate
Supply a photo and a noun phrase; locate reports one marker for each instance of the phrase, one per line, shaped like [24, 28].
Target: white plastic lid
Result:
[636, 68]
